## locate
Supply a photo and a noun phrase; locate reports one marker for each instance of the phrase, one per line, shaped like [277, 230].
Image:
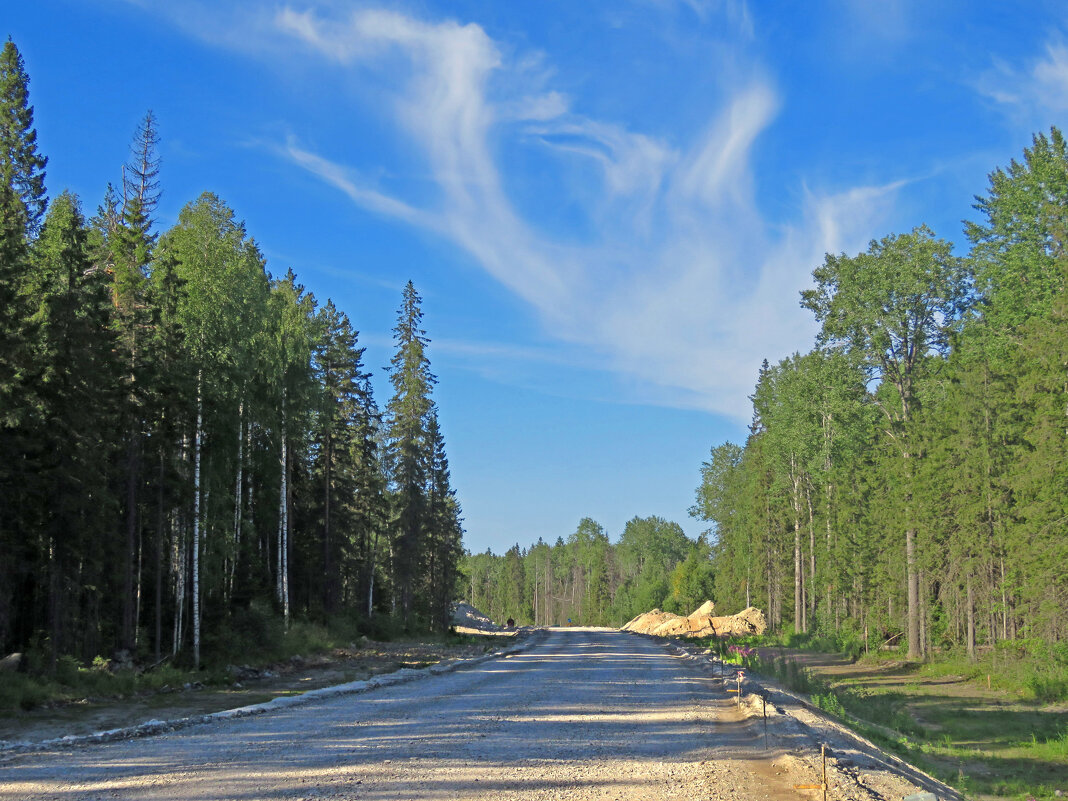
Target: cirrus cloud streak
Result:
[682, 285]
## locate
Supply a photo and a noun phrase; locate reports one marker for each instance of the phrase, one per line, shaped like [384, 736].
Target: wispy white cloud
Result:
[1032, 91]
[681, 285]
[735, 12]
[343, 179]
[685, 315]
[631, 163]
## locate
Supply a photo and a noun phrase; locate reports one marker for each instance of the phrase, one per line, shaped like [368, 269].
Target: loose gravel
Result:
[580, 715]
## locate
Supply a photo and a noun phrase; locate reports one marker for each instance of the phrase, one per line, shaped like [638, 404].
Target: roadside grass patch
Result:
[1010, 740]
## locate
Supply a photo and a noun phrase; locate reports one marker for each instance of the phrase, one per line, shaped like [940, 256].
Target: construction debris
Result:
[700, 623]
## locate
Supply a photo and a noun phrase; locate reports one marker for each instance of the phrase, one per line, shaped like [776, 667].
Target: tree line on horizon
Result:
[907, 478]
[188, 441]
[588, 580]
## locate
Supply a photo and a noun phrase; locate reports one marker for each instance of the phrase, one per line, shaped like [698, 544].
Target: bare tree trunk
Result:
[912, 579]
[137, 591]
[55, 601]
[535, 591]
[289, 537]
[811, 555]
[372, 558]
[371, 580]
[238, 495]
[329, 592]
[799, 611]
[970, 615]
[160, 519]
[924, 633]
[831, 562]
[128, 601]
[180, 566]
[197, 437]
[281, 510]
[548, 589]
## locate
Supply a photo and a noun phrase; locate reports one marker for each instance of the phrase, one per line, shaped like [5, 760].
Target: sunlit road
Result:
[583, 714]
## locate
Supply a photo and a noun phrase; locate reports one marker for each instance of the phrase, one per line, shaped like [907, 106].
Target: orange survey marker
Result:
[823, 756]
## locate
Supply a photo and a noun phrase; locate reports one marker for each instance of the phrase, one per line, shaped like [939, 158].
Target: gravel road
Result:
[581, 715]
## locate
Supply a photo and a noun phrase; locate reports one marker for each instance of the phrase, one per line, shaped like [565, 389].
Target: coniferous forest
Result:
[187, 440]
[905, 481]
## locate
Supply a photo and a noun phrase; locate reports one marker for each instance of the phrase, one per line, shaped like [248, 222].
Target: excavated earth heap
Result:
[466, 619]
[699, 623]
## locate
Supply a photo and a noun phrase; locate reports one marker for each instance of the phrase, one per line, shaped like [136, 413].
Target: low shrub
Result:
[1049, 688]
[829, 702]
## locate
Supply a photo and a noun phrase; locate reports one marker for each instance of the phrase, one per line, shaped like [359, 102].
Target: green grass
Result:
[72, 681]
[1010, 740]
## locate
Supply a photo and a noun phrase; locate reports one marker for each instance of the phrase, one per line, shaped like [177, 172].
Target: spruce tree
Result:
[445, 529]
[131, 241]
[22, 205]
[75, 346]
[408, 447]
[21, 166]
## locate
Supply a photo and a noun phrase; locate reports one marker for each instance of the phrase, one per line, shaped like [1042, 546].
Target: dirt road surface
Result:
[580, 715]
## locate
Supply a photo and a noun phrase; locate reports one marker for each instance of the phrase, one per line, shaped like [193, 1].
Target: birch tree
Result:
[222, 278]
[892, 308]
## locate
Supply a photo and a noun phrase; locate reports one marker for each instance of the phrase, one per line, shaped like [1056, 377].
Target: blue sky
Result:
[608, 207]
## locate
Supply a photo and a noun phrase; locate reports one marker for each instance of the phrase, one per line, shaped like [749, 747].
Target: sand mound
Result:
[696, 621]
[646, 622]
[465, 616]
[749, 621]
[700, 623]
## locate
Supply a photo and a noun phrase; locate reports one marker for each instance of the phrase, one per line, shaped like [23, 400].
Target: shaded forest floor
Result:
[988, 742]
[239, 685]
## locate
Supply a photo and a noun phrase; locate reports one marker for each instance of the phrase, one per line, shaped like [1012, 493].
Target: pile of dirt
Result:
[647, 621]
[699, 623]
[467, 619]
[749, 621]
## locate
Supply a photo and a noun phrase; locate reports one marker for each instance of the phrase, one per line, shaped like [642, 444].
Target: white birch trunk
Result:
[179, 565]
[196, 525]
[238, 493]
[250, 516]
[137, 594]
[285, 534]
[371, 577]
[283, 524]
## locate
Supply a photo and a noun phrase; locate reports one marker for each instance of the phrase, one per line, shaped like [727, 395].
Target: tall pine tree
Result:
[408, 445]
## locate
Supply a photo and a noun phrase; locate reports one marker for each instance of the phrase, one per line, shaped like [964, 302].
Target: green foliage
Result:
[933, 408]
[1049, 689]
[192, 453]
[426, 530]
[829, 703]
[590, 580]
[993, 746]
[21, 166]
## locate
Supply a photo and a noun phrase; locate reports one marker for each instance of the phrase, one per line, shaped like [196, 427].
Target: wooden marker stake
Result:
[764, 705]
[823, 754]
